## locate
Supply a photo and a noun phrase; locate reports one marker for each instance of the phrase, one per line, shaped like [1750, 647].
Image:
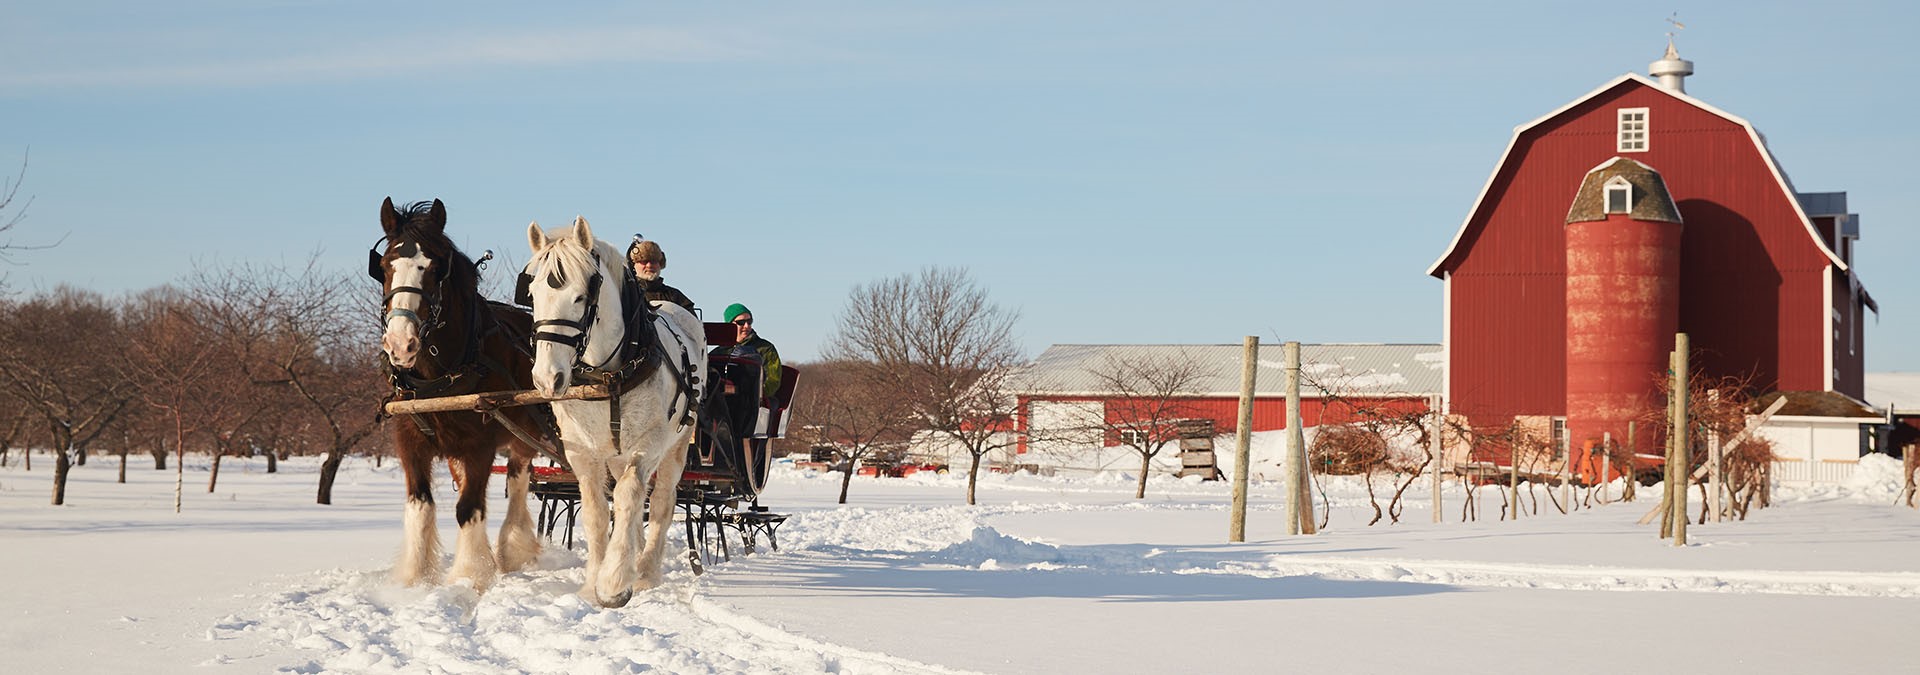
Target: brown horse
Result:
[444, 339]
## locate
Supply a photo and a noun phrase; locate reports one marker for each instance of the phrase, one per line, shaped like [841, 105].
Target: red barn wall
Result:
[1849, 343]
[1752, 281]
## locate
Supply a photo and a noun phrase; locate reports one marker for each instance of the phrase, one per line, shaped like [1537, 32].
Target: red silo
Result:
[1623, 305]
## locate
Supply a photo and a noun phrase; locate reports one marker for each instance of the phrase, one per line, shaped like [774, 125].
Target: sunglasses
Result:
[743, 322]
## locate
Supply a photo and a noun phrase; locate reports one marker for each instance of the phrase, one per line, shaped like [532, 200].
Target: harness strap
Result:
[684, 377]
[422, 425]
[613, 415]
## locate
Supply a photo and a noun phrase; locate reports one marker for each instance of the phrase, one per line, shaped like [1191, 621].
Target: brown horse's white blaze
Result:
[401, 342]
[652, 443]
[427, 280]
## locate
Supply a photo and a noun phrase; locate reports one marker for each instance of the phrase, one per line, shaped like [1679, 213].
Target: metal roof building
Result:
[1362, 370]
[1061, 390]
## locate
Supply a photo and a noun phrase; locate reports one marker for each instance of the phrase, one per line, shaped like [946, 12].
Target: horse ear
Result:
[582, 233]
[536, 237]
[389, 218]
[437, 217]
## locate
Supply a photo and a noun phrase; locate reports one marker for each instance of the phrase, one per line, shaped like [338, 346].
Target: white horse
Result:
[575, 281]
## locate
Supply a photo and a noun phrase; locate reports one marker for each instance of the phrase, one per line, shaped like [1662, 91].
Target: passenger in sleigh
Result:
[748, 344]
[648, 262]
[746, 395]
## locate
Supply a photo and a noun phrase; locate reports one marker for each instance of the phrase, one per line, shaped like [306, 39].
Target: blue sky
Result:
[1116, 171]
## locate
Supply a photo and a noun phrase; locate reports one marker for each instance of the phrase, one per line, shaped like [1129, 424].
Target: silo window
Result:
[1619, 196]
[1632, 136]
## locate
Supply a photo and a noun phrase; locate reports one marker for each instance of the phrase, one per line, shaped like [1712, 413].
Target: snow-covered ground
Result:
[1046, 575]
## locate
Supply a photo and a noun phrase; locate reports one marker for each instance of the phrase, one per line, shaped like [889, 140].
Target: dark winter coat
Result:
[658, 290]
[762, 351]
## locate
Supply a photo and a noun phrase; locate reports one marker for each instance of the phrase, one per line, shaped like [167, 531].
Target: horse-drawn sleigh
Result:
[616, 392]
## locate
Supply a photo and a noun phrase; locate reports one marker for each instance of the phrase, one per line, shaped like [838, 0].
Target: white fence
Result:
[1795, 471]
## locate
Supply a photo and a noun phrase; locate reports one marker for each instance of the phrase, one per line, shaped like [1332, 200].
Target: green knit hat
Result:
[735, 310]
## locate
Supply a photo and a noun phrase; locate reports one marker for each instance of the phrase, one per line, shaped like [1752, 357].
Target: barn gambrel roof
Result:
[1373, 370]
[1759, 143]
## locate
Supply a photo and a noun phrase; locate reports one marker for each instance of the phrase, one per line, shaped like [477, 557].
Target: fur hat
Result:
[735, 310]
[645, 249]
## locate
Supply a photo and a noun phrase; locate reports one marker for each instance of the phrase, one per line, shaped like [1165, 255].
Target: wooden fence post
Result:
[1242, 439]
[1666, 483]
[1629, 489]
[1439, 453]
[1606, 465]
[1299, 499]
[1513, 480]
[1682, 428]
[1715, 474]
[1566, 471]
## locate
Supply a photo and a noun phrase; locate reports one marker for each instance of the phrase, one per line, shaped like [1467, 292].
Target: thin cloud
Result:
[413, 56]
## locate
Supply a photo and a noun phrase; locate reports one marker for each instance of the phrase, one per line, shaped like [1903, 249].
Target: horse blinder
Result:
[523, 290]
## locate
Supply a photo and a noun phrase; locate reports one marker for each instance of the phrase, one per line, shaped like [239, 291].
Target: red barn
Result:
[1763, 280]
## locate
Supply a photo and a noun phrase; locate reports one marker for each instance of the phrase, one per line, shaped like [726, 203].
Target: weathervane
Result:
[1674, 20]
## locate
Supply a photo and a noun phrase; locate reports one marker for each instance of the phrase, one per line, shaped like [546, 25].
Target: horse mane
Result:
[463, 278]
[565, 251]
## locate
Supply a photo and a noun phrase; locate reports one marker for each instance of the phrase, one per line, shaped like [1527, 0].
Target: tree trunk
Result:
[1140, 486]
[159, 455]
[328, 469]
[973, 477]
[80, 457]
[273, 463]
[62, 462]
[123, 466]
[846, 478]
[179, 461]
[213, 477]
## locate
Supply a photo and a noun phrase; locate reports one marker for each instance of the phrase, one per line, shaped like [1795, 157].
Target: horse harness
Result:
[641, 353]
[474, 365]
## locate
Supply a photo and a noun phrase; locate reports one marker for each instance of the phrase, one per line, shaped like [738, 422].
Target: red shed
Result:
[1766, 286]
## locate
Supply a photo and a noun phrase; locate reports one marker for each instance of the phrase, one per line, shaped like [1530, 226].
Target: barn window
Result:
[1619, 195]
[1632, 135]
[1133, 437]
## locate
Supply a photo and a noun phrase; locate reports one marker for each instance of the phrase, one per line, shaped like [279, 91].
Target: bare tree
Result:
[1380, 432]
[854, 413]
[11, 215]
[171, 367]
[16, 422]
[1351, 449]
[1147, 394]
[1720, 406]
[55, 358]
[301, 334]
[944, 348]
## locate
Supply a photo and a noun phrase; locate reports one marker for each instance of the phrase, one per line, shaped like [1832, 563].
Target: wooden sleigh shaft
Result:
[490, 402]
[493, 400]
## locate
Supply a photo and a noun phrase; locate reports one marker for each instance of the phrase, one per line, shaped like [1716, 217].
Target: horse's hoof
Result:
[617, 601]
